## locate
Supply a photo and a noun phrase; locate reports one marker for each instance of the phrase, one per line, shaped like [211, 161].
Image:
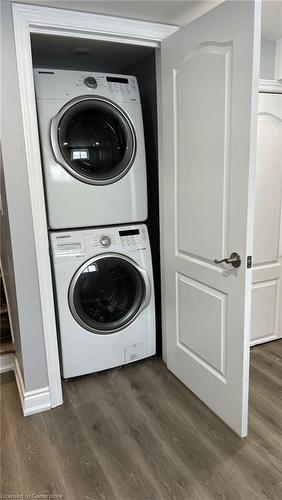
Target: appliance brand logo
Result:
[64, 236]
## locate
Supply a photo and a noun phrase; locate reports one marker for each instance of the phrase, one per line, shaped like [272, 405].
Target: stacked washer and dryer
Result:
[93, 155]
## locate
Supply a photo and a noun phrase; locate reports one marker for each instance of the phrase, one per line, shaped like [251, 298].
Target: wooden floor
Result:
[6, 347]
[137, 433]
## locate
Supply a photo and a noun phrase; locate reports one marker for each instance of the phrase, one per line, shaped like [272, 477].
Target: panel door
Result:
[267, 272]
[210, 74]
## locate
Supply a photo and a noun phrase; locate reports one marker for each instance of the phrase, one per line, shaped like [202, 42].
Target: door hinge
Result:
[249, 261]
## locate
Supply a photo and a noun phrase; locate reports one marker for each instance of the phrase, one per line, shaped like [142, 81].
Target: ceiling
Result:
[61, 52]
[171, 12]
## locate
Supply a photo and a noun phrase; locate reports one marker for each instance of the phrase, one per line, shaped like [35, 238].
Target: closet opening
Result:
[266, 313]
[50, 52]
[267, 252]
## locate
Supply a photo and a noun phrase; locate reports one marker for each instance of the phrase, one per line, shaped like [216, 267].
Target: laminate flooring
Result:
[137, 433]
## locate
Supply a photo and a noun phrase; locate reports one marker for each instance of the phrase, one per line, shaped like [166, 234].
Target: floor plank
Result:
[6, 347]
[137, 433]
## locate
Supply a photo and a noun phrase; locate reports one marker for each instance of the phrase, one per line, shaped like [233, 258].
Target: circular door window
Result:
[94, 140]
[106, 294]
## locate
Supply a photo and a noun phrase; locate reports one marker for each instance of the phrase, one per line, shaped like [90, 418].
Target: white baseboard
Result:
[263, 340]
[7, 363]
[32, 401]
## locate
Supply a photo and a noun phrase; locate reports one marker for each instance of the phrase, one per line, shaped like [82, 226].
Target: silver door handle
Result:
[234, 259]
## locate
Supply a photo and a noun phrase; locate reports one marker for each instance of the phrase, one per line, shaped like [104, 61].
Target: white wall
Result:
[267, 59]
[7, 267]
[30, 347]
[278, 59]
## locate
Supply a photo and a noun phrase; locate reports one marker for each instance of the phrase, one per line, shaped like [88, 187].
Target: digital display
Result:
[114, 79]
[129, 232]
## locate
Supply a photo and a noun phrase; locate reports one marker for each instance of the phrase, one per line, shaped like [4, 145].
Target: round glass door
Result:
[106, 294]
[94, 140]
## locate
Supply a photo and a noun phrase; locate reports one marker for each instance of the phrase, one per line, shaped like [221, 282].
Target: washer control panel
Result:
[77, 244]
[133, 238]
[130, 238]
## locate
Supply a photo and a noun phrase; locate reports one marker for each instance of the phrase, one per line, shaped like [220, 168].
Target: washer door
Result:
[94, 140]
[107, 293]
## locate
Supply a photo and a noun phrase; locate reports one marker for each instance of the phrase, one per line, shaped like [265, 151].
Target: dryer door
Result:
[94, 140]
[108, 292]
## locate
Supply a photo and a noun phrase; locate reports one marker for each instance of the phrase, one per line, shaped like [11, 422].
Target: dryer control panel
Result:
[67, 84]
[124, 85]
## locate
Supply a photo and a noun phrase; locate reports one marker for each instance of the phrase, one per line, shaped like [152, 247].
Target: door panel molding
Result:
[201, 150]
[265, 309]
[214, 345]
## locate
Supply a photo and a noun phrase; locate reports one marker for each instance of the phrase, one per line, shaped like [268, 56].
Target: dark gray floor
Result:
[137, 433]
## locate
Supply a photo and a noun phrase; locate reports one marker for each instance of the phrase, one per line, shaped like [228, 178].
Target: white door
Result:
[210, 75]
[267, 271]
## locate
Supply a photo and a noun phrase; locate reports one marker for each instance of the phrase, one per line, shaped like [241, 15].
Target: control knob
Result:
[105, 241]
[90, 82]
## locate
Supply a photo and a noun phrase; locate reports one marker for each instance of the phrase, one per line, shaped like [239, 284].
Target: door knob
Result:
[234, 259]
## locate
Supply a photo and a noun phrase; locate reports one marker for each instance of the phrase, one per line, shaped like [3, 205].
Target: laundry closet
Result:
[102, 198]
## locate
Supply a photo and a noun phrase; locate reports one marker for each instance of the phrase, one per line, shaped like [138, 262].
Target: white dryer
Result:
[105, 297]
[92, 145]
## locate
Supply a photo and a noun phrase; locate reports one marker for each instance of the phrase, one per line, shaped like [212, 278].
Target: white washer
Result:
[92, 145]
[105, 297]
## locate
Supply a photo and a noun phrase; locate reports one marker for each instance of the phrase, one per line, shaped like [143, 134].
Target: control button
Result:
[105, 241]
[132, 84]
[90, 82]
